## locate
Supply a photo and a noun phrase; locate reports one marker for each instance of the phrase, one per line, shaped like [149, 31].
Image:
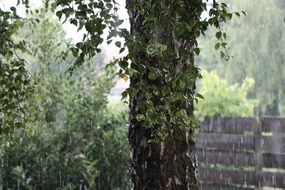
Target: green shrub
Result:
[224, 99]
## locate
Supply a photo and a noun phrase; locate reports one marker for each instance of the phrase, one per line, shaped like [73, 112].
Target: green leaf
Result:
[197, 51]
[182, 84]
[217, 46]
[81, 15]
[222, 54]
[224, 5]
[59, 14]
[122, 50]
[13, 9]
[109, 41]
[151, 49]
[118, 44]
[123, 64]
[200, 96]
[73, 21]
[219, 35]
[224, 44]
[140, 117]
[152, 75]
[124, 95]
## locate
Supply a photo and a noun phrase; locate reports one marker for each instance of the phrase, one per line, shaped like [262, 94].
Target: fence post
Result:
[1, 168]
[258, 147]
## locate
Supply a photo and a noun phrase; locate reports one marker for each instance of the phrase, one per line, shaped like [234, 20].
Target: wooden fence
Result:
[241, 153]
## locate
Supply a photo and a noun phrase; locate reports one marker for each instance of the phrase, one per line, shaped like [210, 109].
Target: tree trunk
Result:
[155, 164]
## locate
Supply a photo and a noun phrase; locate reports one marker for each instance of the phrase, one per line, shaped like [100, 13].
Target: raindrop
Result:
[241, 140]
[229, 180]
[273, 180]
[264, 178]
[262, 142]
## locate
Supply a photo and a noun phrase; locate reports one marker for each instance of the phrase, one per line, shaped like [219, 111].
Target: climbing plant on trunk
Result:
[161, 43]
[161, 94]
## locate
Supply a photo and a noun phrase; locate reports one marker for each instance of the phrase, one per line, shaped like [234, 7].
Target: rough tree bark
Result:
[167, 164]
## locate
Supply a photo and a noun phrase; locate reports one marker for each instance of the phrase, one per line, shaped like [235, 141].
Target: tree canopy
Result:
[257, 44]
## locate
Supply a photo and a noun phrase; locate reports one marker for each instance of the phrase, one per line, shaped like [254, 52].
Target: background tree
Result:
[257, 43]
[72, 137]
[14, 78]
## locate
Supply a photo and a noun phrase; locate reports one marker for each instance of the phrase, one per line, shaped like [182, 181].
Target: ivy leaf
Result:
[152, 75]
[109, 41]
[125, 77]
[123, 64]
[13, 9]
[219, 35]
[150, 50]
[59, 14]
[73, 21]
[217, 46]
[222, 54]
[237, 14]
[140, 117]
[118, 44]
[182, 84]
[200, 96]
[122, 50]
[197, 51]
[224, 44]
[124, 95]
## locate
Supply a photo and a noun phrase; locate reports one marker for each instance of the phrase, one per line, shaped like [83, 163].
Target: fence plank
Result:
[274, 160]
[228, 125]
[258, 142]
[204, 186]
[227, 177]
[270, 179]
[273, 124]
[225, 158]
[273, 144]
[221, 137]
[243, 178]
[220, 141]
